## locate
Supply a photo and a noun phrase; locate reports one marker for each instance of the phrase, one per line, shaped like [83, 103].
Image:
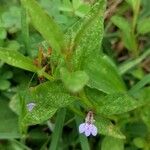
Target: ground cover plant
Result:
[74, 74]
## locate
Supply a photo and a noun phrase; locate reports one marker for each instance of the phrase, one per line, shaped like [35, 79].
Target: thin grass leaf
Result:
[58, 129]
[140, 84]
[126, 66]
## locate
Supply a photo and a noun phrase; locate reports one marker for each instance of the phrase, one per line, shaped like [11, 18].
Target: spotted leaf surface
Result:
[74, 81]
[47, 97]
[105, 127]
[86, 35]
[109, 104]
[16, 59]
[103, 74]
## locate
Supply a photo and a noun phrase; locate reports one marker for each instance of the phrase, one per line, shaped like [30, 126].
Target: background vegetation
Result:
[69, 57]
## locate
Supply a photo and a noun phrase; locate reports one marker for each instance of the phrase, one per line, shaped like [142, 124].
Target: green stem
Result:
[135, 16]
[84, 99]
[76, 111]
[25, 29]
[47, 76]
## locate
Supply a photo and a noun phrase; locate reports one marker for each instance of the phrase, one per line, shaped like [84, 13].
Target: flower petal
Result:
[88, 129]
[94, 130]
[87, 132]
[30, 106]
[82, 127]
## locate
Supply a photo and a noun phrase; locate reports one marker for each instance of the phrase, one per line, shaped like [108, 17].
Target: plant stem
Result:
[84, 99]
[136, 8]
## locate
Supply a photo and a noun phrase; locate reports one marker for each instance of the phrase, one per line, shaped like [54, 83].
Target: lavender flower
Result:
[30, 106]
[88, 127]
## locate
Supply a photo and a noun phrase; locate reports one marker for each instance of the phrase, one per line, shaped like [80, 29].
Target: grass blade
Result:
[58, 129]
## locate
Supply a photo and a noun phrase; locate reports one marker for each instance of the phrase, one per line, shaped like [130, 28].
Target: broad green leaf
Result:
[114, 143]
[74, 81]
[86, 35]
[105, 127]
[14, 104]
[16, 59]
[13, 144]
[9, 121]
[48, 97]
[103, 75]
[136, 129]
[143, 26]
[139, 142]
[4, 84]
[116, 103]
[82, 10]
[7, 75]
[44, 24]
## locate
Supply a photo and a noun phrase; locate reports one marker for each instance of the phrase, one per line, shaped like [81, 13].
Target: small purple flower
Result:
[88, 127]
[30, 106]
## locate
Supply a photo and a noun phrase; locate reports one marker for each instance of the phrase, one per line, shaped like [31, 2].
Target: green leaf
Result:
[86, 35]
[144, 81]
[143, 26]
[16, 59]
[139, 142]
[7, 75]
[77, 3]
[134, 4]
[145, 115]
[105, 127]
[11, 19]
[9, 121]
[48, 97]
[14, 104]
[124, 26]
[103, 74]
[114, 143]
[117, 103]
[121, 23]
[129, 64]
[58, 129]
[74, 81]
[142, 95]
[4, 84]
[25, 29]
[3, 33]
[44, 24]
